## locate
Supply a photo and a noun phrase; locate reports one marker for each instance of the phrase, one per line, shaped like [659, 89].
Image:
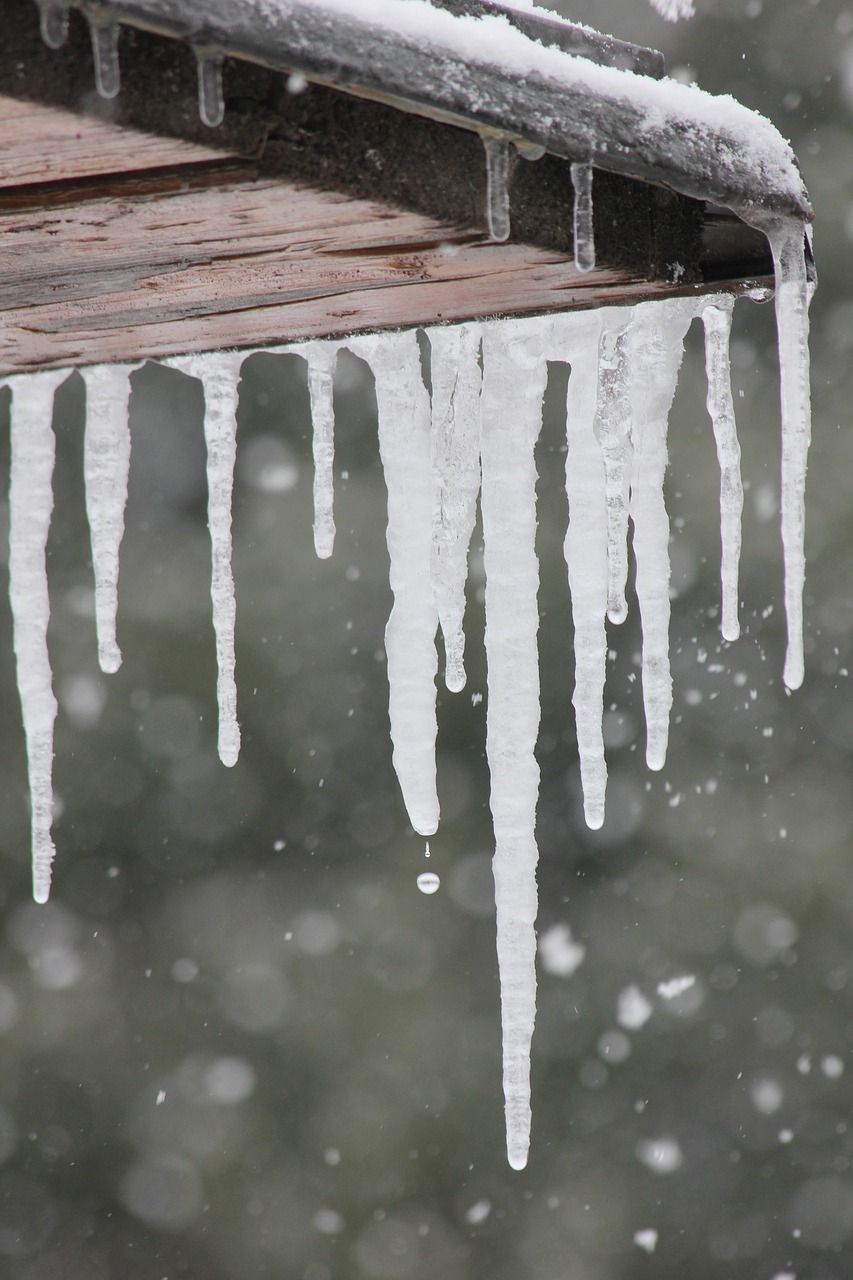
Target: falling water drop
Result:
[428, 882]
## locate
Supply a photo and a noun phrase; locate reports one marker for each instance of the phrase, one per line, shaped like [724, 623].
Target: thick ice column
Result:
[219, 375]
[585, 550]
[656, 348]
[322, 357]
[793, 297]
[456, 380]
[106, 469]
[33, 447]
[404, 446]
[613, 426]
[582, 217]
[514, 374]
[718, 326]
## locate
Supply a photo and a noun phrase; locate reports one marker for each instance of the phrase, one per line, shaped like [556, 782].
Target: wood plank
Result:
[40, 144]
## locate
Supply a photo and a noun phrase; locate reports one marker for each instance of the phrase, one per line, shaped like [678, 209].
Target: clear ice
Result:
[497, 187]
[472, 434]
[105, 51]
[584, 237]
[33, 447]
[211, 103]
[106, 469]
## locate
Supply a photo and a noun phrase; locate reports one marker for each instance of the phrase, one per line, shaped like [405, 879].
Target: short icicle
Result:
[211, 103]
[220, 375]
[404, 446]
[613, 418]
[585, 551]
[106, 469]
[717, 320]
[33, 448]
[514, 374]
[793, 296]
[322, 357]
[105, 50]
[582, 221]
[53, 23]
[497, 187]
[656, 342]
[456, 379]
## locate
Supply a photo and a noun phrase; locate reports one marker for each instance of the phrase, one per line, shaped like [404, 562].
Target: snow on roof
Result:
[485, 73]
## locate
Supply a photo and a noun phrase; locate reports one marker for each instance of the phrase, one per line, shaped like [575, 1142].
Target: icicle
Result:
[211, 103]
[497, 187]
[30, 507]
[106, 466]
[105, 50]
[321, 357]
[793, 297]
[404, 446]
[514, 373]
[456, 380]
[718, 326]
[219, 375]
[585, 550]
[656, 343]
[584, 238]
[613, 417]
[53, 21]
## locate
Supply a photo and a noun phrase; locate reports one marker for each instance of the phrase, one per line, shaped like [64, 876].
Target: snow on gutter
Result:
[483, 74]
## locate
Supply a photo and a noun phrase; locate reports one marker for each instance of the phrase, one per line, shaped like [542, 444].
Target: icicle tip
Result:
[517, 1157]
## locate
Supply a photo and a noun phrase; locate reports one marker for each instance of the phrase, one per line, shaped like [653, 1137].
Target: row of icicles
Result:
[472, 437]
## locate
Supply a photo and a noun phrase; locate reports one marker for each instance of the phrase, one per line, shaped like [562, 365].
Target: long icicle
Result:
[106, 470]
[322, 357]
[656, 343]
[585, 550]
[717, 321]
[220, 375]
[404, 446]
[456, 381]
[793, 297]
[613, 422]
[30, 508]
[514, 373]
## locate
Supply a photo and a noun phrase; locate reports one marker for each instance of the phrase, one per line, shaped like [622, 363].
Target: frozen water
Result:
[613, 418]
[514, 373]
[106, 466]
[404, 446]
[105, 50]
[219, 375]
[211, 104]
[718, 326]
[456, 380]
[497, 187]
[584, 238]
[53, 20]
[322, 357]
[656, 343]
[30, 507]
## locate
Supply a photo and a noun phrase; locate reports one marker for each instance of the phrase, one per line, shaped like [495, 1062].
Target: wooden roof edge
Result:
[482, 73]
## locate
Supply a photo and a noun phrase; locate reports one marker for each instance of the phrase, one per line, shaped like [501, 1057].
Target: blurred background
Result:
[239, 1042]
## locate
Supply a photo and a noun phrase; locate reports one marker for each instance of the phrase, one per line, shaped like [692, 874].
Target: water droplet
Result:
[428, 882]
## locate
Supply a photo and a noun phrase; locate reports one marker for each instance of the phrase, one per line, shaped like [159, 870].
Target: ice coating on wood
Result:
[793, 297]
[404, 446]
[718, 326]
[585, 550]
[219, 376]
[105, 51]
[656, 344]
[514, 373]
[321, 357]
[456, 379]
[106, 468]
[211, 103]
[613, 418]
[497, 187]
[33, 447]
[582, 224]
